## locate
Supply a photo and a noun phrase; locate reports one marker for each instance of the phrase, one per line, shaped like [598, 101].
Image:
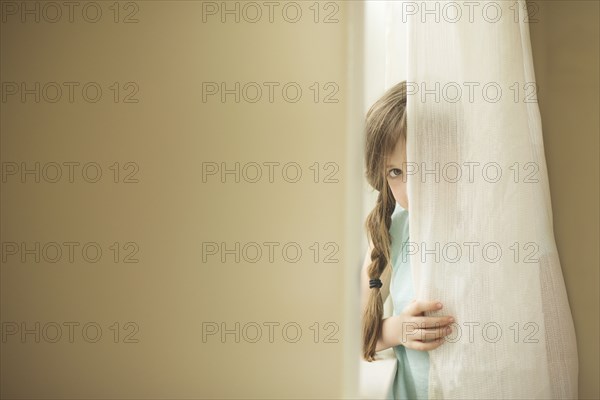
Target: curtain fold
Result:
[480, 216]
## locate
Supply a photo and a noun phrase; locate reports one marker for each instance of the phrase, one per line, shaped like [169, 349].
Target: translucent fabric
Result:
[481, 230]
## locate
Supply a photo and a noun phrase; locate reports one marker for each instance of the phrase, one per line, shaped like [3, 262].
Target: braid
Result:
[378, 225]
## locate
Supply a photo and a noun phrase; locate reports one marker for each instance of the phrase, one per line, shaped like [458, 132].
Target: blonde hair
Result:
[385, 124]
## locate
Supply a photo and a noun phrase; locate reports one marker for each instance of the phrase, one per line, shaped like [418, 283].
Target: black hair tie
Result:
[375, 283]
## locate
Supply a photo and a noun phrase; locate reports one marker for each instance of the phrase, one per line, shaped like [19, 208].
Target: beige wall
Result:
[565, 43]
[170, 212]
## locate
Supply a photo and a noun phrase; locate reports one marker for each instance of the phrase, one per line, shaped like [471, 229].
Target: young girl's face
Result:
[395, 174]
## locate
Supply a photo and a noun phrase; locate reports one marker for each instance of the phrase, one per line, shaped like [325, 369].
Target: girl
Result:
[386, 268]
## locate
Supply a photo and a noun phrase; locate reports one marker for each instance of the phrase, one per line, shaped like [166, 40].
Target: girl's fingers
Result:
[430, 322]
[430, 334]
[415, 308]
[426, 346]
[425, 333]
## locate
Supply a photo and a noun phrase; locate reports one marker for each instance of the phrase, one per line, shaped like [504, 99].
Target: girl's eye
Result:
[394, 172]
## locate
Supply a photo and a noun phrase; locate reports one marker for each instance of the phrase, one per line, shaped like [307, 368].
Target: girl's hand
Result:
[419, 332]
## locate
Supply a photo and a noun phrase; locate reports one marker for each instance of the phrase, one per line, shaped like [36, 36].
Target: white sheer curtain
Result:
[481, 232]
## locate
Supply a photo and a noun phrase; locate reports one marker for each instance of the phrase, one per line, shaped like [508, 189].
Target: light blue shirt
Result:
[412, 374]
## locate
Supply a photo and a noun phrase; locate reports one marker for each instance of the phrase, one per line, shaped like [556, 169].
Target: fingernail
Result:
[451, 319]
[439, 305]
